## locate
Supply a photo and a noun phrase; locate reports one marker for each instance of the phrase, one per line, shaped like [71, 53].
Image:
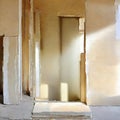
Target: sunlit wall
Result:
[102, 53]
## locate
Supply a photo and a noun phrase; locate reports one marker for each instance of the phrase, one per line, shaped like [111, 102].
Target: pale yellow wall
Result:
[103, 54]
[9, 17]
[49, 17]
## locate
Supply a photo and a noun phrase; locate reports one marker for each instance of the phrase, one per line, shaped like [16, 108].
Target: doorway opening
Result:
[1, 67]
[72, 59]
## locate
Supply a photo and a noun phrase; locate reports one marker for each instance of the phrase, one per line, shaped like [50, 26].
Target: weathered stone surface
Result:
[11, 27]
[61, 111]
[11, 83]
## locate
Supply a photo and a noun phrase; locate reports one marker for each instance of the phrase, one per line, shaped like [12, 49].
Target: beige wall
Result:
[9, 17]
[49, 12]
[103, 57]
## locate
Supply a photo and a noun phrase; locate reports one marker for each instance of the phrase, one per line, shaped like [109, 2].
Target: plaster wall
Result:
[9, 17]
[102, 53]
[50, 10]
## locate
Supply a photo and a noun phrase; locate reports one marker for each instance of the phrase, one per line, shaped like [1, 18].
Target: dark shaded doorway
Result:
[1, 71]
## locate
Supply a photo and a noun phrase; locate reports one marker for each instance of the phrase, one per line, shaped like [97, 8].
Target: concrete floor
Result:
[17, 112]
[24, 110]
[105, 112]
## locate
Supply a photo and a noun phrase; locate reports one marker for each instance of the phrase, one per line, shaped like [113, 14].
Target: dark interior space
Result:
[1, 65]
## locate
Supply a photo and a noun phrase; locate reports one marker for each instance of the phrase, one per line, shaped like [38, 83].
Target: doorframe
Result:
[83, 90]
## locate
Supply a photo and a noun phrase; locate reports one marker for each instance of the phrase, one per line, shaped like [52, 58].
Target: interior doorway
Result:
[71, 47]
[1, 71]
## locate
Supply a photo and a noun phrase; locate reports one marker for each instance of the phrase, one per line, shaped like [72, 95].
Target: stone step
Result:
[61, 111]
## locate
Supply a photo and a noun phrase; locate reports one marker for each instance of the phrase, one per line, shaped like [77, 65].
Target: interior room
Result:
[61, 51]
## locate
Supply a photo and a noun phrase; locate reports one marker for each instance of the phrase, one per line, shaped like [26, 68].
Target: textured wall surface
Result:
[103, 56]
[10, 26]
[10, 71]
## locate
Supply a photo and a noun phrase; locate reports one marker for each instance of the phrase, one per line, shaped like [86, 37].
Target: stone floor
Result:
[23, 111]
[105, 112]
[17, 112]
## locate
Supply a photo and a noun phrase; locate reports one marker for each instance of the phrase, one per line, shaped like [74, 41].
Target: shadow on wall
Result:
[96, 17]
[106, 100]
[102, 46]
[1, 99]
[103, 58]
